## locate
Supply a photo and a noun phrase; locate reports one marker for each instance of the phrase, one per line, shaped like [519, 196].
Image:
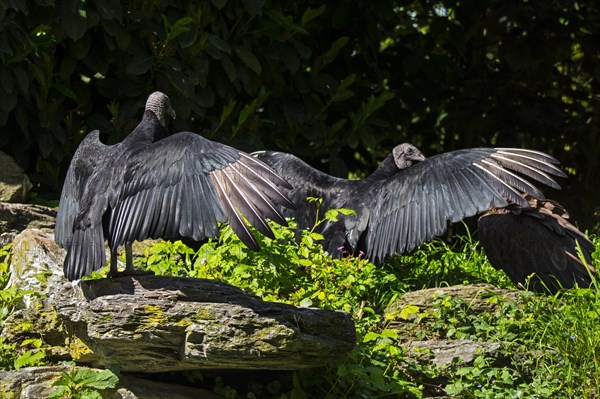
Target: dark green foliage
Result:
[337, 83]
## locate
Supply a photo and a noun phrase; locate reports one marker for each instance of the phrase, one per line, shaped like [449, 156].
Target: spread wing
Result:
[306, 182]
[181, 186]
[80, 170]
[536, 240]
[416, 204]
[335, 193]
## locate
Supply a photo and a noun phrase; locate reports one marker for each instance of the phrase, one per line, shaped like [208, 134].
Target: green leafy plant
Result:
[537, 333]
[83, 383]
[29, 352]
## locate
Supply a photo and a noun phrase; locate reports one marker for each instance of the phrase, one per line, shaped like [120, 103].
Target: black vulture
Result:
[151, 185]
[536, 241]
[399, 207]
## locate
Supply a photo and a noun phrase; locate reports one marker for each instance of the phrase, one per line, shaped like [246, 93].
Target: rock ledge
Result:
[157, 324]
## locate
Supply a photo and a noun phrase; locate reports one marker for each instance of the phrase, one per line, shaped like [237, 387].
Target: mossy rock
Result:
[159, 324]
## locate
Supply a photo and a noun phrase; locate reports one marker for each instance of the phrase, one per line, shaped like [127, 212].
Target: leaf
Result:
[59, 392]
[140, 63]
[338, 126]
[342, 95]
[286, 22]
[249, 58]
[90, 394]
[179, 81]
[187, 39]
[229, 68]
[29, 358]
[178, 28]
[104, 379]
[73, 19]
[227, 109]
[347, 82]
[182, 22]
[65, 91]
[123, 38]
[245, 113]
[213, 51]
[332, 214]
[370, 336]
[218, 43]
[311, 13]
[393, 334]
[334, 50]
[317, 236]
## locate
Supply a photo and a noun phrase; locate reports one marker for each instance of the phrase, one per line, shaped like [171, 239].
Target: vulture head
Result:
[405, 155]
[160, 105]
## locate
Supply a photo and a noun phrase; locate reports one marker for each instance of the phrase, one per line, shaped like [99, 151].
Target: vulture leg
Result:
[129, 270]
[114, 268]
[128, 259]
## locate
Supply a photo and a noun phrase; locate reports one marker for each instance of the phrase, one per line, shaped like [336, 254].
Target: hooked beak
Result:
[417, 157]
[171, 112]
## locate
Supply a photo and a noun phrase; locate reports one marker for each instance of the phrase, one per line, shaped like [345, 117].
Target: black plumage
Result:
[400, 207]
[152, 185]
[536, 245]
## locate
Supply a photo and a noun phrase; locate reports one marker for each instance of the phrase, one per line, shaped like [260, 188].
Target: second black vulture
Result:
[152, 185]
[399, 207]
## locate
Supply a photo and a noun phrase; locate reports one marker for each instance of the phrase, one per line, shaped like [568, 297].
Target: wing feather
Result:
[423, 198]
[80, 170]
[181, 186]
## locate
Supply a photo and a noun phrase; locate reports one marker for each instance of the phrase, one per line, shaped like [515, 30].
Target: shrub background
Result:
[338, 84]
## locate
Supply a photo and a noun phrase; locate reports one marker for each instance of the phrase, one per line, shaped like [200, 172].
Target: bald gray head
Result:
[159, 103]
[406, 154]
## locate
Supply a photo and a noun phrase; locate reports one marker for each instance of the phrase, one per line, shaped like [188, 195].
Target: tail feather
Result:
[85, 254]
